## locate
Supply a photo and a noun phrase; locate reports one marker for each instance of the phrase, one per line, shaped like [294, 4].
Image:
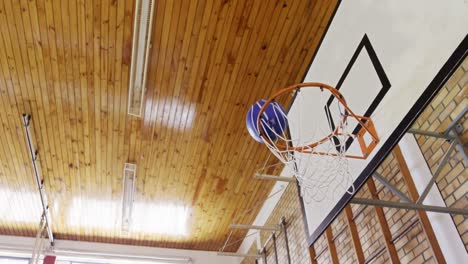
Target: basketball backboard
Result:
[388, 59]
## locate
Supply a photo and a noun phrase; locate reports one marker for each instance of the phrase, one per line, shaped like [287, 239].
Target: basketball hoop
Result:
[315, 145]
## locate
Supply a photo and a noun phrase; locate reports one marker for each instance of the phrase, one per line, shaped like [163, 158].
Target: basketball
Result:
[274, 120]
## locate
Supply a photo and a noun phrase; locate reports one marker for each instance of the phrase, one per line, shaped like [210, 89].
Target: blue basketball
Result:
[274, 118]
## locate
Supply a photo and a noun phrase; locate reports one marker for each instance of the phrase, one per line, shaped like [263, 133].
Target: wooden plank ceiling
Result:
[67, 63]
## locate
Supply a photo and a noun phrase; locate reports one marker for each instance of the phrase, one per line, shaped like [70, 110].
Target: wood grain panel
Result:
[67, 64]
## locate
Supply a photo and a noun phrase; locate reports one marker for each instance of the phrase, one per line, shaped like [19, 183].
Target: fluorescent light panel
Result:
[129, 180]
[140, 53]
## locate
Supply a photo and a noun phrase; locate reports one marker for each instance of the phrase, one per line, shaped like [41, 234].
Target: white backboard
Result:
[387, 58]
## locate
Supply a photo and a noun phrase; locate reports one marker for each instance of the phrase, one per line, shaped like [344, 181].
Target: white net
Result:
[322, 170]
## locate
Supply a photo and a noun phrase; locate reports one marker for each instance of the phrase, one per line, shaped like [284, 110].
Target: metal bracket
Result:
[238, 255]
[266, 228]
[274, 178]
[391, 187]
[451, 134]
[261, 254]
[410, 206]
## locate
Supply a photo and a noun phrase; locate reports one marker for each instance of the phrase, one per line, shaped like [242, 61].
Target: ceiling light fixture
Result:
[144, 10]
[129, 180]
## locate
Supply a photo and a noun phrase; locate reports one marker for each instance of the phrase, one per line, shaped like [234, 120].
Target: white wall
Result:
[267, 209]
[101, 252]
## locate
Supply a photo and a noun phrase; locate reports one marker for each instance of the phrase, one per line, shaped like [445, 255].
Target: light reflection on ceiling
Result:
[10, 200]
[149, 218]
[172, 113]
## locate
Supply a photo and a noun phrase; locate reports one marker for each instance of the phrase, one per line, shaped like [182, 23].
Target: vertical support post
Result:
[313, 255]
[354, 234]
[286, 241]
[274, 248]
[422, 215]
[331, 245]
[383, 224]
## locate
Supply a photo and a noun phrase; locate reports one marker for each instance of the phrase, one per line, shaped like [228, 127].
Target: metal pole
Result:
[264, 256]
[460, 147]
[283, 227]
[275, 249]
[436, 174]
[268, 239]
[240, 226]
[226, 242]
[429, 133]
[239, 255]
[456, 120]
[39, 233]
[391, 187]
[410, 206]
[32, 152]
[274, 178]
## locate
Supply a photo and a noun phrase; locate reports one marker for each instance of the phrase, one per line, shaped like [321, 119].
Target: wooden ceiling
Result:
[67, 64]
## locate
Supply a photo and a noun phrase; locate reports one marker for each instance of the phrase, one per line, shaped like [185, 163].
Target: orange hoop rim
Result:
[307, 148]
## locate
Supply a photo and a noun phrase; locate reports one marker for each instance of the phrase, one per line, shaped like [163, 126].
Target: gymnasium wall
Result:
[453, 180]
[289, 207]
[410, 240]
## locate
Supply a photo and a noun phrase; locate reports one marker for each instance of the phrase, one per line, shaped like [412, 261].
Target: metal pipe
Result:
[459, 146]
[456, 120]
[40, 232]
[410, 206]
[240, 226]
[429, 133]
[461, 149]
[238, 255]
[391, 187]
[238, 240]
[32, 152]
[436, 174]
[226, 242]
[268, 240]
[283, 227]
[274, 178]
[275, 249]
